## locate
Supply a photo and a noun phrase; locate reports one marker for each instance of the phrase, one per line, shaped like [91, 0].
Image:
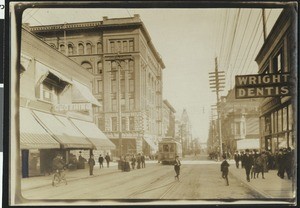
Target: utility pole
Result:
[217, 79]
[264, 24]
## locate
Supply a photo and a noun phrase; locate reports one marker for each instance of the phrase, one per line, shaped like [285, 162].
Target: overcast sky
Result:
[188, 41]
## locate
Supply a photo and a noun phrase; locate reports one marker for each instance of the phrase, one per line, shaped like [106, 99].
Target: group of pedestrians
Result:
[92, 163]
[255, 162]
[138, 161]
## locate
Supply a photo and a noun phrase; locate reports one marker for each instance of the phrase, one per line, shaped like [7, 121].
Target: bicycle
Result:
[59, 177]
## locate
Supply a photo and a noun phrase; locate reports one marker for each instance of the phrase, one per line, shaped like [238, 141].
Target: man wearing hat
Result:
[248, 163]
[177, 165]
[91, 163]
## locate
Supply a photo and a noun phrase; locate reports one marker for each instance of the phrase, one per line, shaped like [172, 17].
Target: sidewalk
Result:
[71, 175]
[271, 187]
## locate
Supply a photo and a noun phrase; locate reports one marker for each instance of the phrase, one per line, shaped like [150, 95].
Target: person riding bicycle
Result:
[58, 164]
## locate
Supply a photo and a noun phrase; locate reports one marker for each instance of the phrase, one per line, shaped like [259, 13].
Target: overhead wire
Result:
[255, 50]
[223, 36]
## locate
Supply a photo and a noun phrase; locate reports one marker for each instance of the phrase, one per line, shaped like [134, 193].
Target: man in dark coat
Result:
[143, 161]
[248, 162]
[281, 157]
[224, 169]
[100, 160]
[237, 159]
[107, 158]
[177, 165]
[91, 163]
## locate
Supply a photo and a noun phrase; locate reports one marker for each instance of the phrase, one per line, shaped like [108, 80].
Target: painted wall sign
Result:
[262, 85]
[73, 107]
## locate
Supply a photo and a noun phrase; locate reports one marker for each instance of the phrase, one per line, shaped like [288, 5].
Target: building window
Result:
[125, 46]
[62, 48]
[80, 49]
[122, 86]
[131, 123]
[131, 46]
[290, 117]
[101, 124]
[280, 120]
[101, 105]
[99, 67]
[99, 48]
[114, 124]
[131, 85]
[87, 66]
[131, 104]
[123, 104]
[124, 127]
[278, 62]
[100, 86]
[114, 105]
[70, 49]
[89, 48]
[119, 46]
[113, 86]
[112, 47]
[284, 119]
[237, 128]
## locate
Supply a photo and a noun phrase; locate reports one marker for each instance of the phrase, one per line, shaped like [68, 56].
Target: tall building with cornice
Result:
[106, 48]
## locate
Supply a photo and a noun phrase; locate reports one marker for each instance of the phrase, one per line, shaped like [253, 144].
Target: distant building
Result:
[168, 120]
[103, 48]
[185, 132]
[239, 123]
[279, 55]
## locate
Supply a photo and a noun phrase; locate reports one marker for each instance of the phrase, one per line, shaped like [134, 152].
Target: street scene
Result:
[155, 104]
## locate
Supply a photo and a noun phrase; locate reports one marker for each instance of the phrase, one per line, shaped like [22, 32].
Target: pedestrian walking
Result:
[237, 159]
[100, 160]
[91, 163]
[143, 161]
[177, 165]
[107, 158]
[138, 160]
[281, 163]
[288, 162]
[225, 170]
[133, 161]
[248, 163]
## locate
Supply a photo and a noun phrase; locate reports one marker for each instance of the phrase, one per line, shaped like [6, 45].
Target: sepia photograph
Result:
[127, 104]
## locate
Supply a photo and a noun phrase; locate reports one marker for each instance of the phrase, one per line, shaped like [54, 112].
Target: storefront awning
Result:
[94, 134]
[33, 135]
[151, 143]
[248, 144]
[82, 93]
[62, 131]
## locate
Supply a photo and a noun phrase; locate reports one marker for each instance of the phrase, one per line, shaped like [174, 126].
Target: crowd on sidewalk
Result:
[255, 162]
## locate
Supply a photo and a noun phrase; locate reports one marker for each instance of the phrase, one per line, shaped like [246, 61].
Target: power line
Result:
[224, 33]
[255, 51]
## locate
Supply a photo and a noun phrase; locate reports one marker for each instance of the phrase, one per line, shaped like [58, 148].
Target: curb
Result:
[260, 192]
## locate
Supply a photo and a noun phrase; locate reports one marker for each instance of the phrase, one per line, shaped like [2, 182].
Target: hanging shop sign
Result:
[262, 85]
[73, 107]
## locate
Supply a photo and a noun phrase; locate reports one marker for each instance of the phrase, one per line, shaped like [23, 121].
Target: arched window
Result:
[70, 49]
[99, 67]
[88, 48]
[87, 66]
[131, 66]
[62, 48]
[80, 49]
[99, 48]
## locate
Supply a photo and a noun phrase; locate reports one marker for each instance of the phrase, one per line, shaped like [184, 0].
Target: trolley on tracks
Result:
[167, 150]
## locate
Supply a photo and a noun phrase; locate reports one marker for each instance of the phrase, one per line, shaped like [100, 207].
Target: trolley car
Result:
[168, 149]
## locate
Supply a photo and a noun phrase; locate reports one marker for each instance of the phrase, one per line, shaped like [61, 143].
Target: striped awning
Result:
[82, 93]
[62, 130]
[94, 134]
[33, 135]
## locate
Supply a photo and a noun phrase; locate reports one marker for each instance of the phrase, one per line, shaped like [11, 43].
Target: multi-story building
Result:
[127, 76]
[279, 55]
[168, 120]
[55, 108]
[239, 123]
[185, 132]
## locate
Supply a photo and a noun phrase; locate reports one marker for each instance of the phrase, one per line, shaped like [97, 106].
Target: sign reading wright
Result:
[262, 85]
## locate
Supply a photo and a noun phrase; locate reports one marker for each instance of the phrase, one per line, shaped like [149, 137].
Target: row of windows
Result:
[117, 46]
[81, 48]
[127, 124]
[114, 105]
[278, 64]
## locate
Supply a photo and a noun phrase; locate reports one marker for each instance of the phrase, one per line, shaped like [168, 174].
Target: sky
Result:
[188, 41]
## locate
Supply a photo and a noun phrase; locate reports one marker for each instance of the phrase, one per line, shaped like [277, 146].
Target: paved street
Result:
[199, 180]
